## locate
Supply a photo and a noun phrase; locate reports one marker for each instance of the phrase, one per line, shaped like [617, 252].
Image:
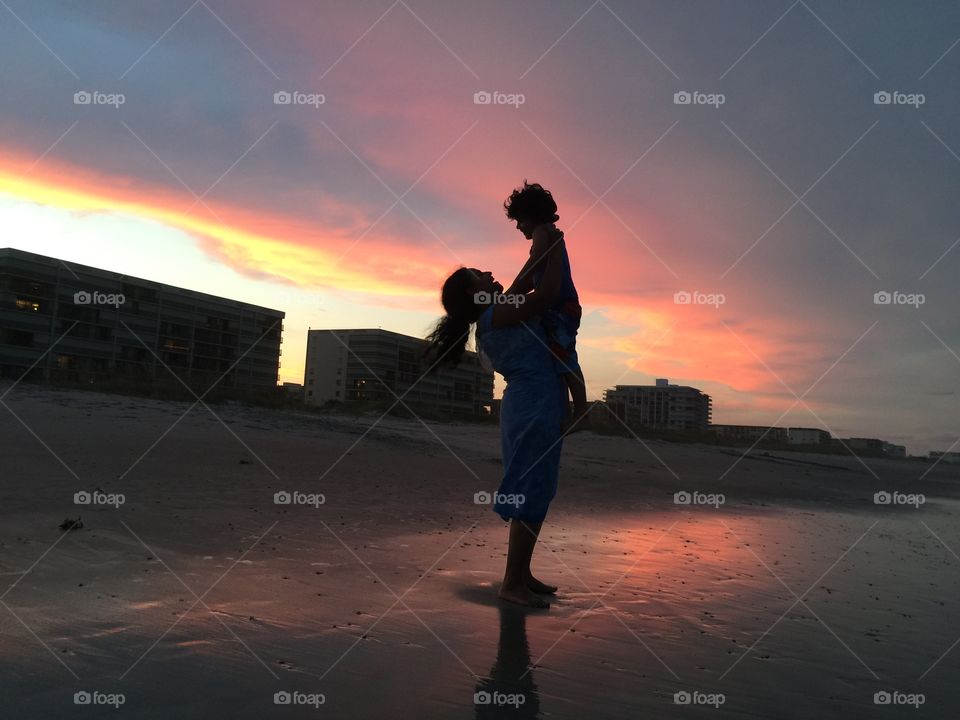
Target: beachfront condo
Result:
[65, 322]
[379, 366]
[662, 405]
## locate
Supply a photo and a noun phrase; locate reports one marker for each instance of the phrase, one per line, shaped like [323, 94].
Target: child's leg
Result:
[578, 392]
[562, 331]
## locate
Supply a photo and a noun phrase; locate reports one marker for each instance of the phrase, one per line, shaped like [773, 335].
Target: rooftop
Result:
[78, 268]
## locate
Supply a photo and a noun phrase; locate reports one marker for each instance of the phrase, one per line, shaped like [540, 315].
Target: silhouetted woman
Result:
[534, 402]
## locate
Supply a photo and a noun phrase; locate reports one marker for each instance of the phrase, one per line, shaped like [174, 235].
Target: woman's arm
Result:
[523, 283]
[536, 302]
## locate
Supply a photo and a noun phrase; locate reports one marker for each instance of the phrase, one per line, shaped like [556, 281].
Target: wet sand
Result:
[200, 597]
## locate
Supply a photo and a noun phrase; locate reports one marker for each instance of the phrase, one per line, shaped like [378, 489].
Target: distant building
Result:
[896, 451]
[761, 433]
[94, 320]
[379, 365]
[673, 407]
[947, 457]
[807, 436]
[293, 390]
[869, 446]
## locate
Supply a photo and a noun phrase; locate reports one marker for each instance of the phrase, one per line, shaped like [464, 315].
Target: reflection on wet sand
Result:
[509, 691]
[797, 598]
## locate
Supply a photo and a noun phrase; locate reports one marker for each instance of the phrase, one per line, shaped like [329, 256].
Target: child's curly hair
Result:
[531, 202]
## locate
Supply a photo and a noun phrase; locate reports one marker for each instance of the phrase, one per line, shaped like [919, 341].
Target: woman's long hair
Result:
[448, 340]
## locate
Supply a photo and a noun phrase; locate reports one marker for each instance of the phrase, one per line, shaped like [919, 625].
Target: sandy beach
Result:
[372, 594]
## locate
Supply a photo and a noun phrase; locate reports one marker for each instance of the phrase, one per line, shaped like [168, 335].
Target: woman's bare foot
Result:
[540, 587]
[522, 595]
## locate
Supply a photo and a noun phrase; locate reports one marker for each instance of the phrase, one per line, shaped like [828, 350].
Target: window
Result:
[28, 305]
[337, 394]
[21, 338]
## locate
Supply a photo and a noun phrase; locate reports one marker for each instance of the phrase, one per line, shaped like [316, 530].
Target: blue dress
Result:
[531, 414]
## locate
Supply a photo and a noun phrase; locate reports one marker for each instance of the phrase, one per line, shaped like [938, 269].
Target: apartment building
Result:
[102, 325]
[380, 365]
[662, 405]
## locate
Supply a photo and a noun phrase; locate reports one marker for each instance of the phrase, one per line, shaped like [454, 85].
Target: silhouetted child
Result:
[535, 211]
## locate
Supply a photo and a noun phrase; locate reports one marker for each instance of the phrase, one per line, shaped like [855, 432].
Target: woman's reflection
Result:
[510, 690]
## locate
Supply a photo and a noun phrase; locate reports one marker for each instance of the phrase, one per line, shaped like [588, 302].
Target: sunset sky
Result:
[796, 199]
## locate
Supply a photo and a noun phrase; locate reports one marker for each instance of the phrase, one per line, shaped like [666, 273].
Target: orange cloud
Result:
[253, 243]
[647, 332]
[737, 363]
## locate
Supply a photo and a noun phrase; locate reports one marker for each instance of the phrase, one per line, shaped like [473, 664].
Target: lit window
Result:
[27, 305]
